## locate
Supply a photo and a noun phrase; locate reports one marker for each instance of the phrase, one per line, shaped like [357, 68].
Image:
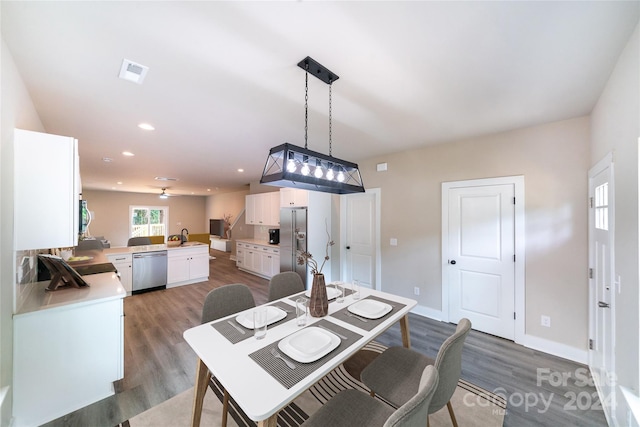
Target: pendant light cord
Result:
[306, 105]
[330, 85]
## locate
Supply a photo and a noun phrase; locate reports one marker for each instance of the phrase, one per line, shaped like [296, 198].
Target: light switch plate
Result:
[393, 241]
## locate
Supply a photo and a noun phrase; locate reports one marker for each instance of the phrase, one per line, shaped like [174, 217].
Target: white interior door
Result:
[361, 239]
[601, 283]
[481, 257]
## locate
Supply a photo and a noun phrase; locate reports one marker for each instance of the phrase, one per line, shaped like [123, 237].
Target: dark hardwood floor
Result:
[159, 364]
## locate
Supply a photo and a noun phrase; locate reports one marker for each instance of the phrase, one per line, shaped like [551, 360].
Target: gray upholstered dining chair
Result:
[354, 408]
[284, 284]
[139, 241]
[89, 244]
[394, 374]
[224, 301]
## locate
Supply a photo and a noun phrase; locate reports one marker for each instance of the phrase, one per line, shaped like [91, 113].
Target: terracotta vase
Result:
[318, 303]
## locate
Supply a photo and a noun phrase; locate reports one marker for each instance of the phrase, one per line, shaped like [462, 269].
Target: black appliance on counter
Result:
[274, 236]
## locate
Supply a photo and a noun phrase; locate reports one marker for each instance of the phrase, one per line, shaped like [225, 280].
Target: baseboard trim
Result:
[428, 312]
[556, 349]
[530, 341]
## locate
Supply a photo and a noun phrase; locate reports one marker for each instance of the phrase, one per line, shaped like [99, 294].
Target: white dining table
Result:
[259, 394]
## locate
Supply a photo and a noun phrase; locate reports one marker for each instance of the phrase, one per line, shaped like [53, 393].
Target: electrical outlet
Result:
[393, 241]
[416, 290]
[545, 321]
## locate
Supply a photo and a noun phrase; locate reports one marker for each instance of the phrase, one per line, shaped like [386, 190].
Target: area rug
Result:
[472, 405]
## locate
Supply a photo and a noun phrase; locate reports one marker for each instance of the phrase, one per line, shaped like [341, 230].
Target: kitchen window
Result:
[148, 221]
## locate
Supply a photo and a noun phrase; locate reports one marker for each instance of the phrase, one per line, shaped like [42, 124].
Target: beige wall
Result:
[111, 213]
[554, 159]
[218, 205]
[17, 111]
[616, 128]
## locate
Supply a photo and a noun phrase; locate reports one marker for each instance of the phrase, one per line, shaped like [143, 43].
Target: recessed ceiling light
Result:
[163, 178]
[240, 170]
[132, 71]
[146, 126]
[119, 182]
[128, 153]
[208, 189]
[107, 159]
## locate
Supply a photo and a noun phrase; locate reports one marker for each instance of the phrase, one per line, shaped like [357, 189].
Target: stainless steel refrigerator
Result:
[293, 238]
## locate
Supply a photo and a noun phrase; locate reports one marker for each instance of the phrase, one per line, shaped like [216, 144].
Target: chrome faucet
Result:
[182, 237]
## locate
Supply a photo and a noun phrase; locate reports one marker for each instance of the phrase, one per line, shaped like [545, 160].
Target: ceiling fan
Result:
[165, 195]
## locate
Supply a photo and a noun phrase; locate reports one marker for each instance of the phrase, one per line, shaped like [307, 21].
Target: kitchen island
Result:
[186, 264]
[68, 348]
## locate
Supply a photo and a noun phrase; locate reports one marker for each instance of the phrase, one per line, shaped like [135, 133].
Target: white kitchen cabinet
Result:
[47, 190]
[272, 208]
[187, 265]
[262, 209]
[68, 349]
[270, 265]
[261, 260]
[250, 209]
[240, 255]
[293, 198]
[123, 263]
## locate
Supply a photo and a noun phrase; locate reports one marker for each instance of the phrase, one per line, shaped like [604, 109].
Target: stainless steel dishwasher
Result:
[149, 271]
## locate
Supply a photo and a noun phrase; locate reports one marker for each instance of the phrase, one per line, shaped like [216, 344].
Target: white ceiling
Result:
[223, 85]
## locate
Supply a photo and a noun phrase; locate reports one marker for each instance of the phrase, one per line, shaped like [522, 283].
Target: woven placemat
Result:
[289, 377]
[364, 323]
[347, 292]
[235, 336]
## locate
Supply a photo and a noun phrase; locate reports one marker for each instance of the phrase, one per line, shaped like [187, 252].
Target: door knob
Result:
[452, 262]
[603, 304]
[348, 247]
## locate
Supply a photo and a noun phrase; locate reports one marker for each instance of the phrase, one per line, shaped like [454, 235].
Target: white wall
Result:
[615, 127]
[17, 111]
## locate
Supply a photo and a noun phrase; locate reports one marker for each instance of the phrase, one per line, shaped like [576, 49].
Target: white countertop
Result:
[102, 286]
[150, 248]
[257, 242]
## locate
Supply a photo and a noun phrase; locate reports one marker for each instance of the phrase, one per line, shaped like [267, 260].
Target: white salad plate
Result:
[274, 314]
[370, 308]
[331, 292]
[309, 344]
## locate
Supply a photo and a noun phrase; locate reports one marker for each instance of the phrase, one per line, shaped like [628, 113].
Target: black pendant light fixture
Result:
[291, 166]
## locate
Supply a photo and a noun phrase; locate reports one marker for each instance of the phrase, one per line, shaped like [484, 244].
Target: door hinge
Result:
[591, 202]
[514, 258]
[514, 315]
[591, 273]
[590, 344]
[514, 200]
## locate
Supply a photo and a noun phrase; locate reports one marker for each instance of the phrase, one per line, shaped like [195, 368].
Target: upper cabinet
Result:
[46, 190]
[263, 209]
[293, 198]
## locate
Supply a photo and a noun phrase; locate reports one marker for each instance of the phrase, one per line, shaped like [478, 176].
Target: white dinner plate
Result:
[331, 292]
[370, 308]
[309, 344]
[274, 314]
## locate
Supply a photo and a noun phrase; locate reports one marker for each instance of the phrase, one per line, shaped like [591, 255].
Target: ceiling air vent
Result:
[132, 71]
